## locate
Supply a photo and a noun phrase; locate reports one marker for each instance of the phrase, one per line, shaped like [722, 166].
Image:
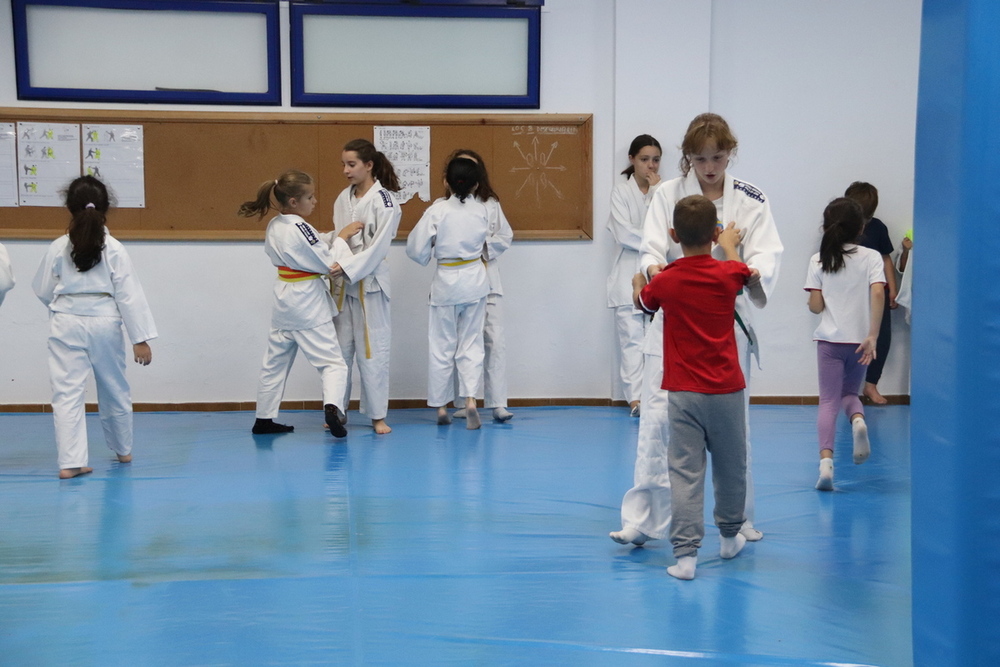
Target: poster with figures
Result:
[48, 158]
[409, 149]
[114, 154]
[8, 165]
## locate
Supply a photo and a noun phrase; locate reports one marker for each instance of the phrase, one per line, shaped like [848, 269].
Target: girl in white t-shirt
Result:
[846, 288]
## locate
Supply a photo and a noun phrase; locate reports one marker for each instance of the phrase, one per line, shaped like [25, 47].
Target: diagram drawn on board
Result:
[537, 165]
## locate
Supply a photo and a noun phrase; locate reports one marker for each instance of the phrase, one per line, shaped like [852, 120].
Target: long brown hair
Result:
[290, 185]
[382, 169]
[485, 191]
[87, 200]
[704, 128]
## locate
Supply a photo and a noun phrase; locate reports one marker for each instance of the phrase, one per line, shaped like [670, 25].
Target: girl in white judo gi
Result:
[87, 281]
[494, 341]
[363, 322]
[629, 201]
[302, 308]
[453, 231]
[706, 150]
[6, 273]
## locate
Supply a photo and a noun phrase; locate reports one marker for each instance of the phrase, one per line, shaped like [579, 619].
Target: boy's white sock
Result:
[502, 414]
[730, 546]
[459, 414]
[685, 567]
[629, 535]
[825, 482]
[748, 531]
[862, 448]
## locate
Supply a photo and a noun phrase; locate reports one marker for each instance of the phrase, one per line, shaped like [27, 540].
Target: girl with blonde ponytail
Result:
[302, 309]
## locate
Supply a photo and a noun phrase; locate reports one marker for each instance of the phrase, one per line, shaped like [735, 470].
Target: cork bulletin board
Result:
[200, 166]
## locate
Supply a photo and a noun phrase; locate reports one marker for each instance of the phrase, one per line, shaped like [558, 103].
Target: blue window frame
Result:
[527, 11]
[178, 95]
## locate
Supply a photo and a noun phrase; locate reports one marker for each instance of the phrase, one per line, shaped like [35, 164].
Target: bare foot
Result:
[124, 458]
[69, 473]
[380, 426]
[872, 394]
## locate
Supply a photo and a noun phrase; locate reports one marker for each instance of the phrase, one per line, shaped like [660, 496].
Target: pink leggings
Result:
[840, 377]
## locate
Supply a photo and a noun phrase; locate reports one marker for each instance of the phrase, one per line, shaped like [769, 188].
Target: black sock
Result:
[265, 426]
[337, 429]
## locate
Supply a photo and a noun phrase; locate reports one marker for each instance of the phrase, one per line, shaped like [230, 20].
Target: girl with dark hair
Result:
[706, 150]
[846, 285]
[363, 322]
[87, 281]
[453, 231]
[494, 341]
[629, 201]
[302, 309]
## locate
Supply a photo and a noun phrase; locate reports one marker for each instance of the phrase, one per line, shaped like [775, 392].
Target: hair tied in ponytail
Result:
[90, 205]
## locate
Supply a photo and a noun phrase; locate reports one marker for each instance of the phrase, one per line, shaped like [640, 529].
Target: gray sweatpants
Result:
[700, 423]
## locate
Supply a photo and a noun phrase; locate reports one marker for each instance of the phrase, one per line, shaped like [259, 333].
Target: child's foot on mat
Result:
[332, 414]
[69, 473]
[629, 536]
[268, 426]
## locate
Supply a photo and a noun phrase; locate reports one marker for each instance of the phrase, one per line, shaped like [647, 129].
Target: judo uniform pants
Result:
[366, 337]
[631, 327]
[77, 345]
[320, 347]
[456, 345]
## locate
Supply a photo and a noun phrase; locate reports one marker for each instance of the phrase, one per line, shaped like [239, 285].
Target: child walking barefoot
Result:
[453, 231]
[846, 285]
[363, 321]
[87, 281]
[302, 309]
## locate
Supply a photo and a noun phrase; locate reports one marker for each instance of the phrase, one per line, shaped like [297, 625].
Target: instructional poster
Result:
[48, 158]
[409, 149]
[8, 165]
[114, 154]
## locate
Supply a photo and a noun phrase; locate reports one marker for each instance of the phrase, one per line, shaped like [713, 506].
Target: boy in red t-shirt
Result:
[701, 370]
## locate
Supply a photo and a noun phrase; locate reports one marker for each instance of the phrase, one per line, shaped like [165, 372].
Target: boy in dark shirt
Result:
[876, 236]
[701, 370]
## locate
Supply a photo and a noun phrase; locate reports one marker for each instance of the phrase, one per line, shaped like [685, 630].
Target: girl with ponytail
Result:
[846, 285]
[363, 322]
[302, 309]
[87, 281]
[494, 340]
[453, 231]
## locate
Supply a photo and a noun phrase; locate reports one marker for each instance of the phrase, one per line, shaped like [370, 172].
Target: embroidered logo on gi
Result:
[307, 231]
[750, 190]
[386, 199]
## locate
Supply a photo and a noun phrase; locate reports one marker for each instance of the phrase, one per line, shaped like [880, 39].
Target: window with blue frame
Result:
[166, 51]
[442, 54]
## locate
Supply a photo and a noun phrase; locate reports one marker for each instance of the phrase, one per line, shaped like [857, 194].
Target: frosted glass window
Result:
[85, 47]
[415, 56]
[135, 51]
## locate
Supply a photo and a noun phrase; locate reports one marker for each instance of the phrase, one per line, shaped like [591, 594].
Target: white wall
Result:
[817, 96]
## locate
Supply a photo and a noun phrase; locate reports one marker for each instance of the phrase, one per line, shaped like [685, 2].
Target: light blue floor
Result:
[438, 546]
